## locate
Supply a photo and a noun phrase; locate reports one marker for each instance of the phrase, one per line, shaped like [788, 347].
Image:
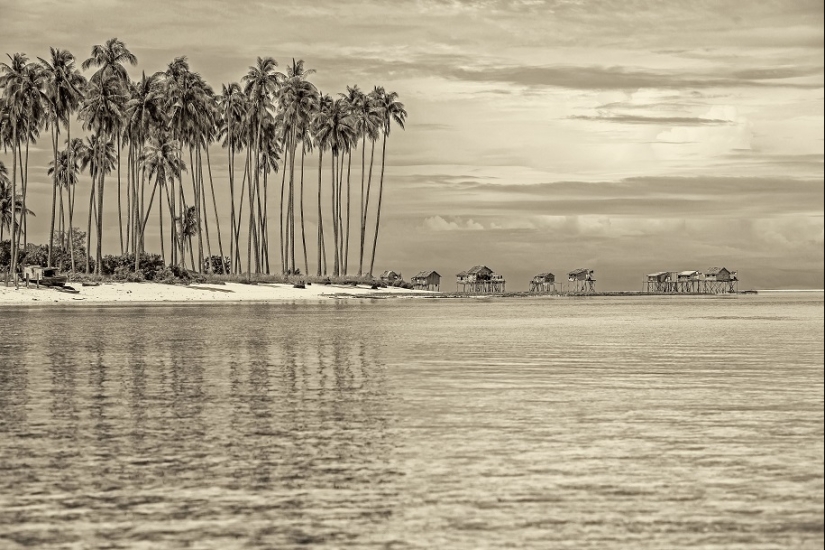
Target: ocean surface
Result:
[638, 423]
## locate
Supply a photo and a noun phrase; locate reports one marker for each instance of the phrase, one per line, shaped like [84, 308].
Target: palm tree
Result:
[23, 106]
[393, 111]
[111, 58]
[64, 172]
[145, 115]
[98, 155]
[367, 119]
[261, 83]
[188, 223]
[161, 162]
[8, 213]
[320, 136]
[64, 90]
[233, 112]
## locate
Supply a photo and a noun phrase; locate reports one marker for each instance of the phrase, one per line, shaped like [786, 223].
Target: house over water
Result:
[719, 280]
[583, 280]
[426, 280]
[659, 281]
[479, 279]
[543, 283]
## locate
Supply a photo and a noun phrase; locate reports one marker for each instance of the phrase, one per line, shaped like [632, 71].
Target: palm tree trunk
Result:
[119, 208]
[13, 267]
[240, 214]
[99, 256]
[215, 207]
[380, 197]
[361, 218]
[231, 164]
[92, 210]
[197, 202]
[25, 173]
[284, 253]
[54, 193]
[349, 210]
[320, 215]
[292, 202]
[129, 212]
[202, 192]
[366, 209]
[303, 229]
[336, 259]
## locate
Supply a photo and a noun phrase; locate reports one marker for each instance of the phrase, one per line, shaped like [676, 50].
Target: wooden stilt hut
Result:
[543, 283]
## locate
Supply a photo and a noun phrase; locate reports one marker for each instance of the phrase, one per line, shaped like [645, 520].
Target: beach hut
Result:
[426, 280]
[479, 279]
[658, 282]
[390, 276]
[720, 280]
[543, 283]
[583, 280]
[688, 282]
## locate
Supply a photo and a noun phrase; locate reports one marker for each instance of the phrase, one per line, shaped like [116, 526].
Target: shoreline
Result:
[114, 293]
[128, 293]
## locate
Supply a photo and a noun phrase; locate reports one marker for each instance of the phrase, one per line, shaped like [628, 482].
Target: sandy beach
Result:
[117, 293]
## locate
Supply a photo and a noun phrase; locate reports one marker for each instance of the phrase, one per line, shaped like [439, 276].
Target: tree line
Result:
[151, 139]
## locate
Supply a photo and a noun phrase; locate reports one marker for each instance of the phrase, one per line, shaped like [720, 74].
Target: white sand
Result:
[117, 293]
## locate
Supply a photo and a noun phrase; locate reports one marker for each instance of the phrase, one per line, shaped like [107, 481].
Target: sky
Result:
[628, 137]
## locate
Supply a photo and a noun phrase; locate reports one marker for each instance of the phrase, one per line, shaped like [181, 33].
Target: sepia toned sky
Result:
[628, 137]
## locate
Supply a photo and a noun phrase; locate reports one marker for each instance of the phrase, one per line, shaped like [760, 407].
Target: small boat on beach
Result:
[67, 289]
[299, 284]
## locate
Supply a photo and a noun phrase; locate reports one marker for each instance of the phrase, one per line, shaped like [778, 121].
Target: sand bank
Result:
[117, 293]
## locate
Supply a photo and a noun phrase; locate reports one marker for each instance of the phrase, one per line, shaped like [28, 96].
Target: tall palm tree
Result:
[393, 111]
[144, 116]
[98, 156]
[261, 83]
[64, 171]
[64, 90]
[160, 161]
[232, 103]
[111, 58]
[10, 209]
[367, 120]
[23, 105]
[297, 101]
[320, 135]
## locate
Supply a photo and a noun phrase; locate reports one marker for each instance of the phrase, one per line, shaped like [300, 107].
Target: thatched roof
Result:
[425, 274]
[714, 270]
[462, 274]
[478, 269]
[580, 271]
[688, 273]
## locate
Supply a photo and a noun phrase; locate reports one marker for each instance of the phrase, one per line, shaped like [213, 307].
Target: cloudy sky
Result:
[628, 137]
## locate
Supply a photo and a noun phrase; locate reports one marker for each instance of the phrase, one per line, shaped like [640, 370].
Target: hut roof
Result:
[688, 273]
[389, 272]
[425, 274]
[545, 274]
[462, 274]
[580, 270]
[478, 269]
[657, 274]
[714, 270]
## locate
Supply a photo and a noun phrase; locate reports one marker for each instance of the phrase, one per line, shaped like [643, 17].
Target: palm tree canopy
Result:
[102, 110]
[64, 84]
[96, 154]
[110, 57]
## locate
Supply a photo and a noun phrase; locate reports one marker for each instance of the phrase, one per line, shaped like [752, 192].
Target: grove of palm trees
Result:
[147, 144]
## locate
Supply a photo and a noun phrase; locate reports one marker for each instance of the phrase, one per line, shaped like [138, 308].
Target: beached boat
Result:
[45, 276]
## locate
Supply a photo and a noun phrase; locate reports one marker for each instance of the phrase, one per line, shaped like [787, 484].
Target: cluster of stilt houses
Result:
[480, 279]
[714, 280]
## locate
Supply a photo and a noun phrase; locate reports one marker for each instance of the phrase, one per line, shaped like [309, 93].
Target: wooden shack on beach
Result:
[479, 279]
[390, 276]
[427, 280]
[582, 281]
[543, 283]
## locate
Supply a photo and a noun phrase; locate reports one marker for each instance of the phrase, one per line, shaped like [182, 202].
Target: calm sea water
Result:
[458, 424]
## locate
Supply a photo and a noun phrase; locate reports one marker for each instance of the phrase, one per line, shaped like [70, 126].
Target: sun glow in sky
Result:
[628, 137]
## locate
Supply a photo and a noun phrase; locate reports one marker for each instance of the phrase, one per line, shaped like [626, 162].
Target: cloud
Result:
[437, 223]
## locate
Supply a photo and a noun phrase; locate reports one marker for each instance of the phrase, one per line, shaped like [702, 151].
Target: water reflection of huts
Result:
[479, 279]
[714, 280]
